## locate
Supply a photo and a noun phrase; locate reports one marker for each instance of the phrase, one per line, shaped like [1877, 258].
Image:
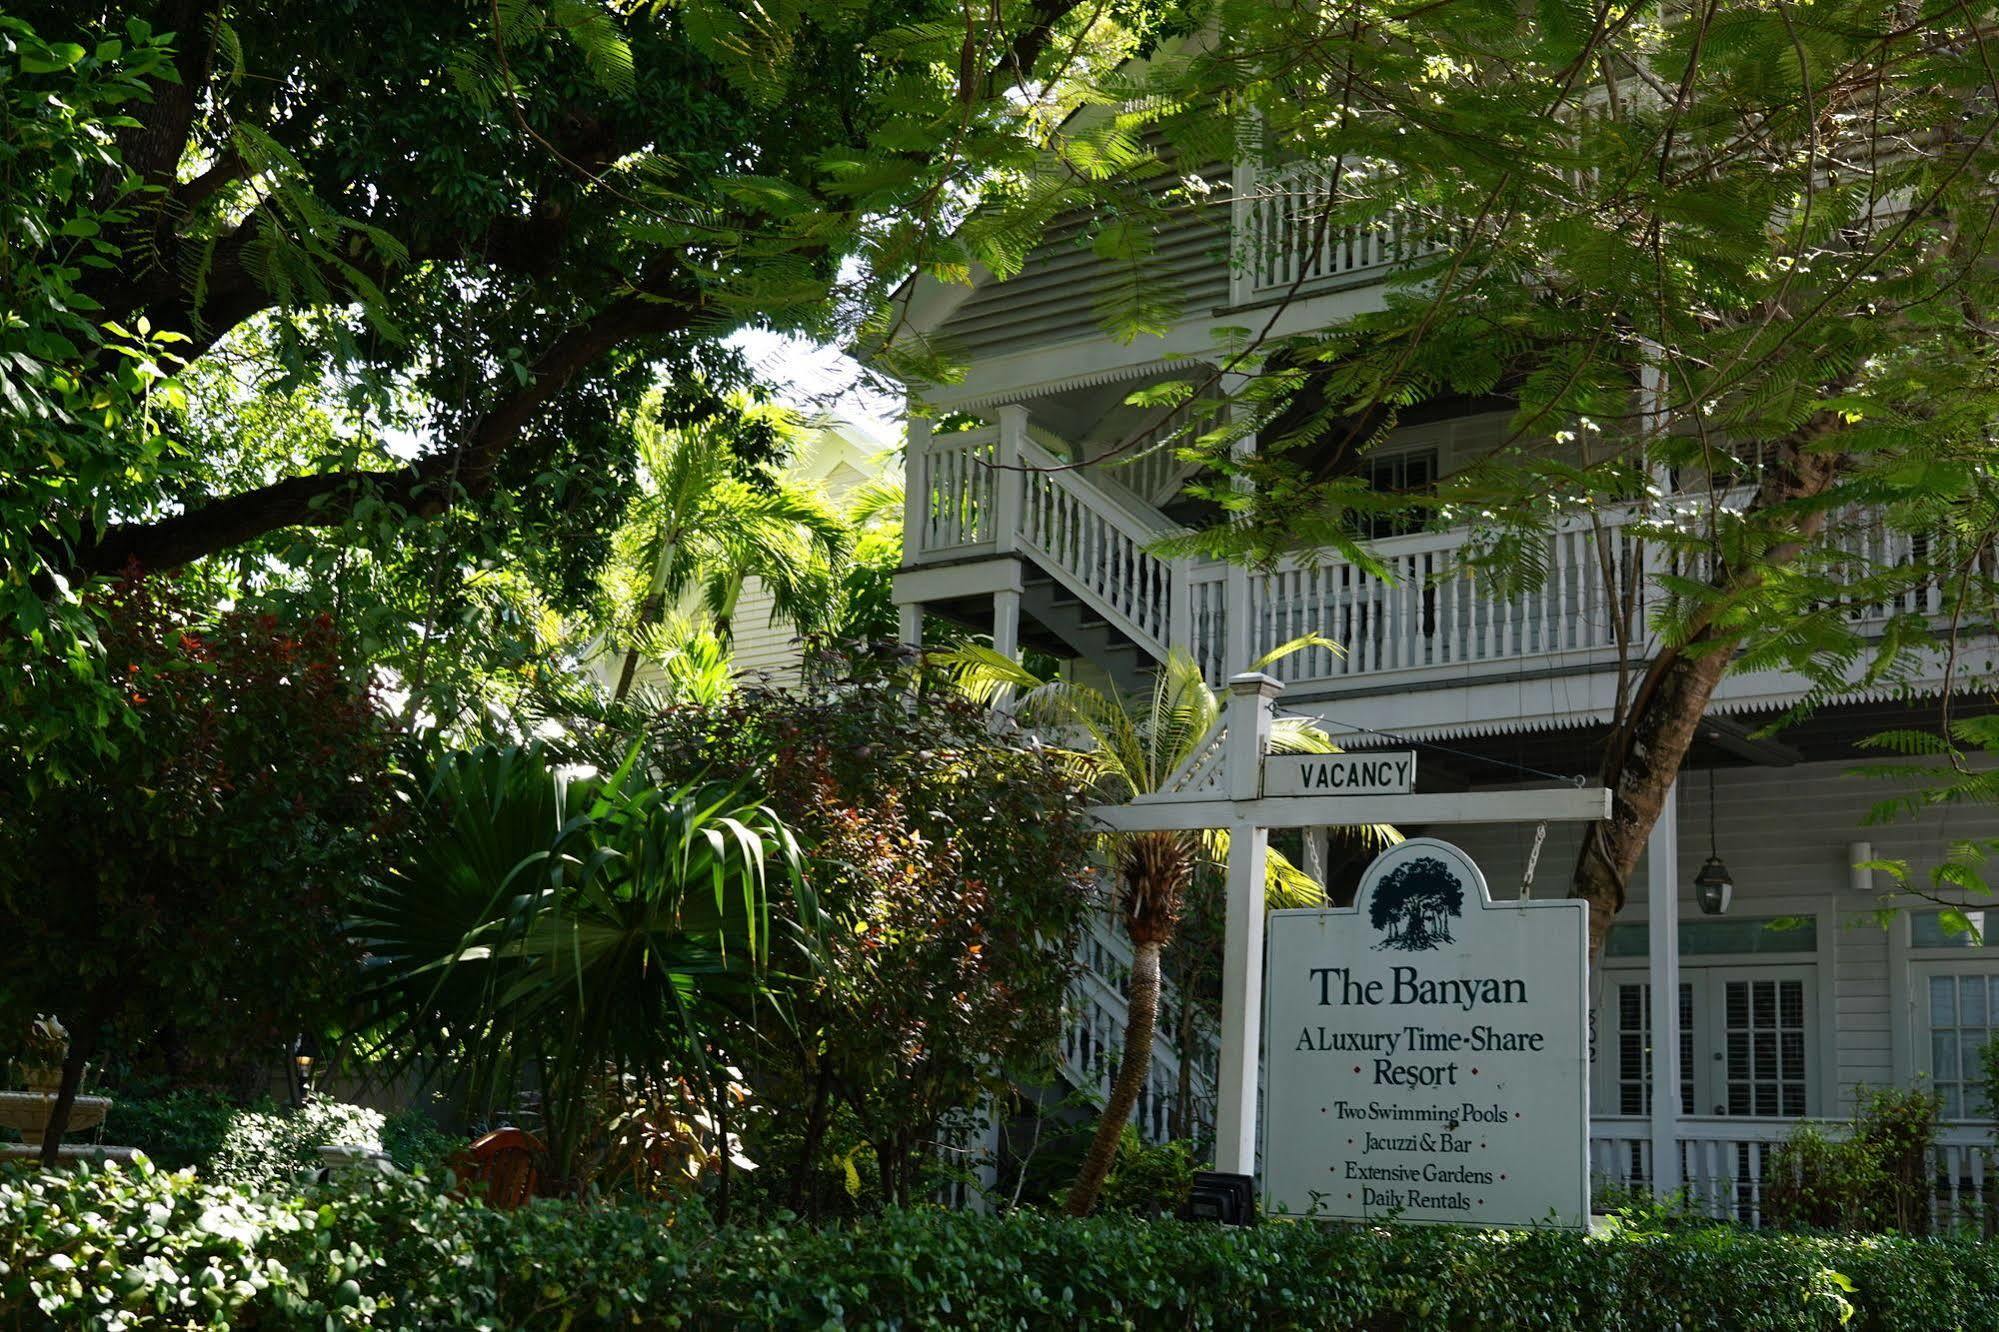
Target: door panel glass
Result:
[1634, 1048]
[1765, 1068]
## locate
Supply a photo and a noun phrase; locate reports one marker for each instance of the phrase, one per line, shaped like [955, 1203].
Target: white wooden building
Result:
[1774, 1025]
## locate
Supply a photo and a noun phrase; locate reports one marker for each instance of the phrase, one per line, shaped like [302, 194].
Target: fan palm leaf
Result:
[553, 932]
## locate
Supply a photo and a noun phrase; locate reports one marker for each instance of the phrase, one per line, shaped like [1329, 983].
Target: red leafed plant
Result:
[180, 885]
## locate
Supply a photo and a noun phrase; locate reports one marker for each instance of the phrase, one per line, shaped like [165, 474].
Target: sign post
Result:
[1527, 1065]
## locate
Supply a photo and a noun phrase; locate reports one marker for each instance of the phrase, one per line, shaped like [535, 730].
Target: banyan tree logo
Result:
[1414, 905]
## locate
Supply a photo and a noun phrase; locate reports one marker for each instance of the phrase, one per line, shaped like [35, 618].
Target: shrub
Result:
[178, 1129]
[955, 867]
[1877, 1177]
[415, 1142]
[186, 884]
[1147, 1179]
[263, 1151]
[122, 1247]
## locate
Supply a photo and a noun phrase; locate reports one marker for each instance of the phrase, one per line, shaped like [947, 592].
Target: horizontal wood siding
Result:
[1784, 834]
[1054, 296]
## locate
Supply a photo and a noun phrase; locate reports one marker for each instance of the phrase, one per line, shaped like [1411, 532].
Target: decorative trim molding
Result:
[1111, 375]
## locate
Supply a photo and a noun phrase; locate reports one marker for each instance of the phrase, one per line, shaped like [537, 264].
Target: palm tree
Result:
[698, 524]
[559, 933]
[1126, 747]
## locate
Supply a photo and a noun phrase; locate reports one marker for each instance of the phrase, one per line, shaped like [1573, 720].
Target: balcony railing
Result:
[1286, 241]
[1727, 1165]
[1422, 611]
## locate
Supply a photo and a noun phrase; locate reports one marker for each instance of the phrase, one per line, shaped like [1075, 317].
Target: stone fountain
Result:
[29, 1111]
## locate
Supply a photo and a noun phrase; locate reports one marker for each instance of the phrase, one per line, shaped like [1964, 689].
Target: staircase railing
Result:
[1097, 545]
[1148, 466]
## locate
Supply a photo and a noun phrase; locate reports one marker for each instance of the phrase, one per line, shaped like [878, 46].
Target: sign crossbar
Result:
[1259, 792]
[1562, 804]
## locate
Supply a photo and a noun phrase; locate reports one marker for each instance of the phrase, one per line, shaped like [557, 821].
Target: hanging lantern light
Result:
[1714, 888]
[305, 1050]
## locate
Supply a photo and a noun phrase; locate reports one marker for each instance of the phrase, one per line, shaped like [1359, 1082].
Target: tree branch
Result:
[1028, 45]
[425, 487]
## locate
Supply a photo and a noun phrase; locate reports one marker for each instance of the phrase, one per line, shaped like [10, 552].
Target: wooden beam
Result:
[1727, 734]
[1562, 804]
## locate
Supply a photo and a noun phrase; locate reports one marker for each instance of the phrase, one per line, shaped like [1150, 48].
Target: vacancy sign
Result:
[1427, 1052]
[1339, 774]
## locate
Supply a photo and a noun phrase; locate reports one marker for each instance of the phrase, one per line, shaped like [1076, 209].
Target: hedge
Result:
[142, 1247]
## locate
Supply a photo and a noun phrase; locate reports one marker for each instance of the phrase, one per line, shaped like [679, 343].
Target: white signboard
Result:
[1340, 774]
[1427, 1053]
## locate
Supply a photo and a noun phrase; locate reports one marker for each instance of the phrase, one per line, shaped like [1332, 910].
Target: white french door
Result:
[1747, 1042]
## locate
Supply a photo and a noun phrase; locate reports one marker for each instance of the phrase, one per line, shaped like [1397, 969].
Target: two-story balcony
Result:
[1007, 511]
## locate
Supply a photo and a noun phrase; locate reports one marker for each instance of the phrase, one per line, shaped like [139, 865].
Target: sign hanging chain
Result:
[1533, 859]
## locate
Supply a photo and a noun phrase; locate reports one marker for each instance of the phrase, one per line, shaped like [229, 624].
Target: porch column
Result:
[1006, 623]
[1662, 886]
[1007, 478]
[1242, 931]
[915, 519]
[1238, 621]
[1006, 642]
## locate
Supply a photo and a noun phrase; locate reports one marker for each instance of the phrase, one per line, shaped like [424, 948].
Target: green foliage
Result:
[566, 928]
[67, 441]
[414, 1142]
[266, 1150]
[1874, 1176]
[1936, 770]
[186, 1127]
[1147, 1179]
[474, 243]
[953, 870]
[1727, 264]
[103, 1249]
[704, 520]
[177, 1129]
[189, 884]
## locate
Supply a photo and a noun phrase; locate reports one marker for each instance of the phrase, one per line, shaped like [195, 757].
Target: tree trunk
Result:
[815, 1131]
[649, 610]
[1141, 1016]
[73, 1065]
[1640, 767]
[1643, 755]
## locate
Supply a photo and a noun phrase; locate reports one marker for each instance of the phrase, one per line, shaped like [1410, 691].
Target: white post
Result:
[1239, 619]
[1006, 642]
[1662, 886]
[909, 616]
[915, 489]
[1242, 932]
[1006, 623]
[1007, 476]
[1180, 604]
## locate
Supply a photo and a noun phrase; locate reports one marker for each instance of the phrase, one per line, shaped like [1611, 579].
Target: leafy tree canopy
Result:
[483, 228]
